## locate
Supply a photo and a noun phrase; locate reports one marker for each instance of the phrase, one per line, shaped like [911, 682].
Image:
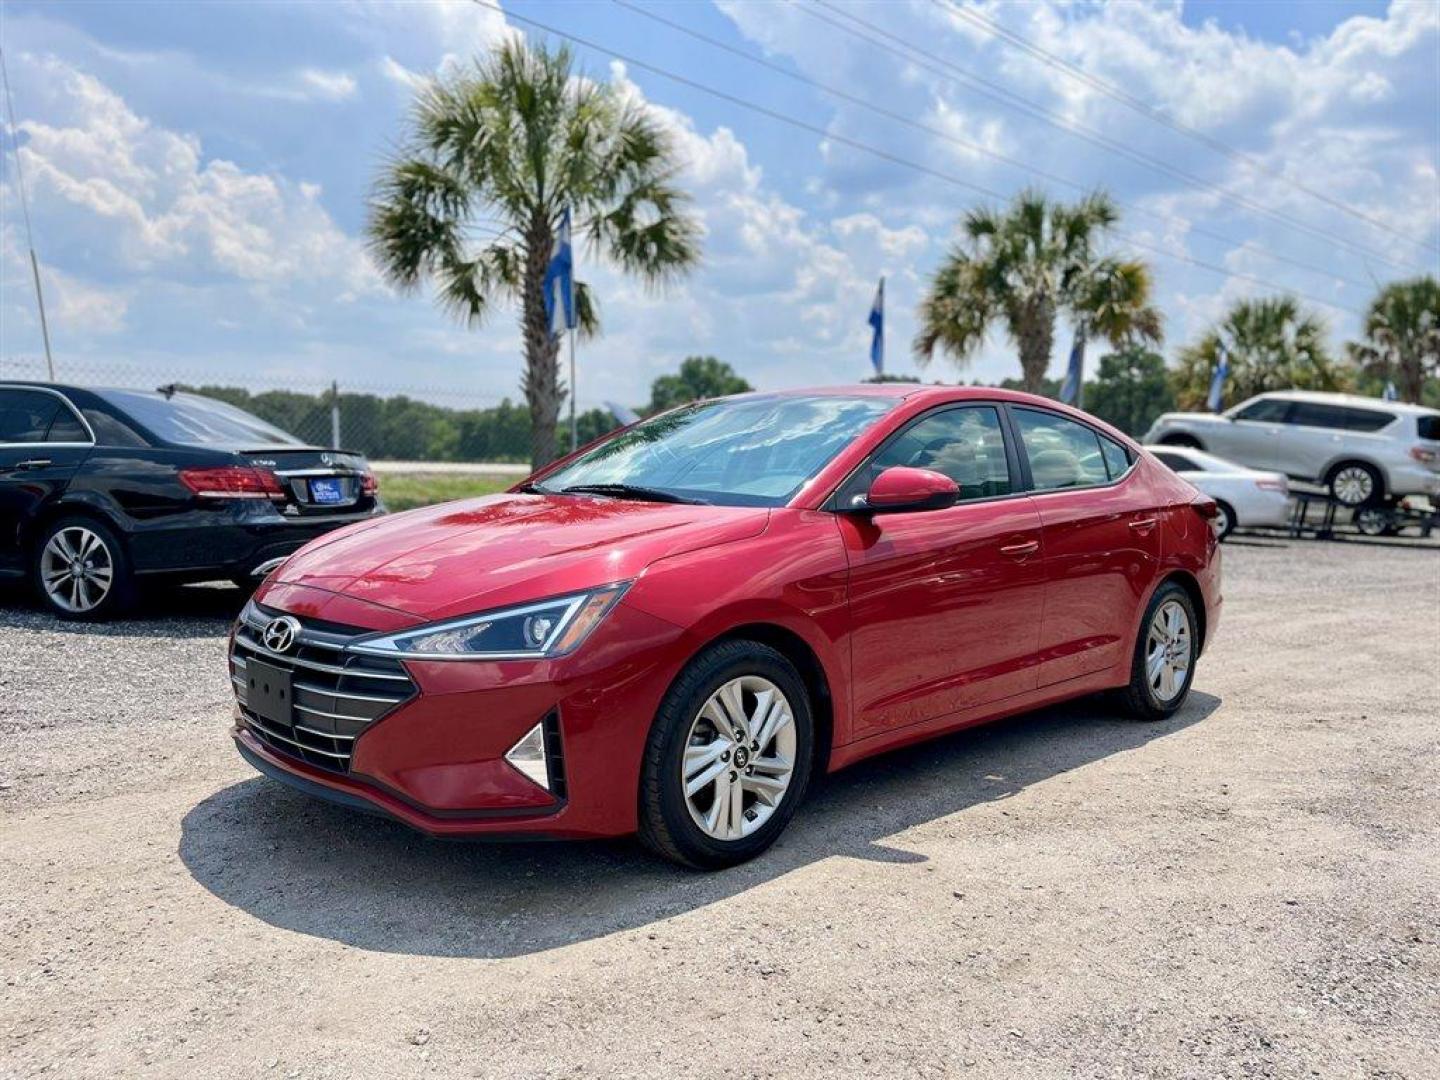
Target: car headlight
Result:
[529, 632]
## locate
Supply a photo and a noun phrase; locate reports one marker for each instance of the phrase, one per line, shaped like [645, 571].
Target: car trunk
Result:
[317, 482]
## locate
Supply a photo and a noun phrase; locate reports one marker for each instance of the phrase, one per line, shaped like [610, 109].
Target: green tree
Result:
[1402, 336]
[493, 157]
[1272, 344]
[1023, 266]
[699, 377]
[1130, 389]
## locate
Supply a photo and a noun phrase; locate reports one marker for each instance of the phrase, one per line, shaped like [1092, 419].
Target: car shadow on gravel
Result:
[307, 866]
[177, 611]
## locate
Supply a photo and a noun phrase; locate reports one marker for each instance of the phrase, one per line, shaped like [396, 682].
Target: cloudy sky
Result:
[198, 172]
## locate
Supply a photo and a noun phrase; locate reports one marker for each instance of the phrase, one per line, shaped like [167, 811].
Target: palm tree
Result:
[494, 155]
[1024, 266]
[1402, 335]
[1272, 344]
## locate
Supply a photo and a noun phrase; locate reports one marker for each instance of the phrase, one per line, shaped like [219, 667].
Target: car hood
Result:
[463, 557]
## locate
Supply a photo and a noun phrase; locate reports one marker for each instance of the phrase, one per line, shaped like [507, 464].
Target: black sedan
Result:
[102, 490]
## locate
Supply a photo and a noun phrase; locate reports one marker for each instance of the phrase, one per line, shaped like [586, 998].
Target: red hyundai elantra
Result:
[672, 631]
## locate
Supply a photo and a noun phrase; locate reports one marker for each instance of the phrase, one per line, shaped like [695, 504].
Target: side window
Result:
[25, 415]
[1117, 458]
[1175, 461]
[1269, 411]
[966, 444]
[1317, 414]
[1366, 419]
[1062, 453]
[66, 427]
[111, 431]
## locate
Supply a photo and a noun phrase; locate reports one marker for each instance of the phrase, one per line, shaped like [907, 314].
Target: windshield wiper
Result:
[631, 491]
[533, 489]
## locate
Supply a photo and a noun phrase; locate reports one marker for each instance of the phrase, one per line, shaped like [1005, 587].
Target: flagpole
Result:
[574, 431]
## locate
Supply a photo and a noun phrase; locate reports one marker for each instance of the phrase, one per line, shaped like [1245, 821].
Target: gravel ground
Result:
[1249, 889]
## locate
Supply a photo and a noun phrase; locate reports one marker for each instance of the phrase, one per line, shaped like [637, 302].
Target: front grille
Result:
[337, 695]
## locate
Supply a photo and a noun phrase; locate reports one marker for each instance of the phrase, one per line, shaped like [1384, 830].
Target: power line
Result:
[900, 118]
[1110, 90]
[996, 92]
[885, 155]
[25, 210]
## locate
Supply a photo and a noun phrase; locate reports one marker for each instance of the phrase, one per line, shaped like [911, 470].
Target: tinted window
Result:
[66, 427]
[1428, 427]
[1062, 453]
[25, 415]
[751, 451]
[1366, 419]
[191, 420]
[965, 444]
[1271, 411]
[1318, 414]
[1117, 458]
[1175, 462]
[112, 432]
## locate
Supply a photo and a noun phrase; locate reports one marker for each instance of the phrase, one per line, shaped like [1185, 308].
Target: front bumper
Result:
[436, 760]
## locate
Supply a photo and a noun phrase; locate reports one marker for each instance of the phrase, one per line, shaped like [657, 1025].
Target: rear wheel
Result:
[81, 571]
[1353, 483]
[1164, 662]
[728, 758]
[1224, 523]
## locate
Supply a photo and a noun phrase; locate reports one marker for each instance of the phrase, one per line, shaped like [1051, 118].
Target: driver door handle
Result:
[34, 463]
[1019, 551]
[1143, 525]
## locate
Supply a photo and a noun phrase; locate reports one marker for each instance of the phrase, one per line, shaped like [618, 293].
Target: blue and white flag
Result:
[559, 284]
[1217, 382]
[1070, 392]
[877, 324]
[1391, 394]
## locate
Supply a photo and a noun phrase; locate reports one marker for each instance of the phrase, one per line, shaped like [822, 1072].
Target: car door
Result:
[42, 443]
[1252, 437]
[944, 604]
[1100, 537]
[1314, 435]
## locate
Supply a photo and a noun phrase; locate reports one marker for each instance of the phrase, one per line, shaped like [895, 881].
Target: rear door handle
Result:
[1019, 551]
[34, 463]
[1143, 525]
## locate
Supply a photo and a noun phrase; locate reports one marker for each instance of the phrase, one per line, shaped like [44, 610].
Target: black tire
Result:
[1188, 441]
[1354, 483]
[118, 597]
[1375, 521]
[666, 825]
[1227, 521]
[1141, 699]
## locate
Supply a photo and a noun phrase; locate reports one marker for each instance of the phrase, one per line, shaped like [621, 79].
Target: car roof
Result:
[919, 391]
[1332, 398]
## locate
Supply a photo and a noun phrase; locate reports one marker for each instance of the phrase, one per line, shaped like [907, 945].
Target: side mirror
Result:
[902, 489]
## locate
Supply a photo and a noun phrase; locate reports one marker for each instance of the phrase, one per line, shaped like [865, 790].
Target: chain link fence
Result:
[385, 422]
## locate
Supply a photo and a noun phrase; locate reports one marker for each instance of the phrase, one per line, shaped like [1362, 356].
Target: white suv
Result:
[1364, 449]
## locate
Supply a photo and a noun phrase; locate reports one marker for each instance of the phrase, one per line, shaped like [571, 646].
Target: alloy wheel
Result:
[77, 569]
[1353, 485]
[1222, 520]
[1167, 651]
[739, 758]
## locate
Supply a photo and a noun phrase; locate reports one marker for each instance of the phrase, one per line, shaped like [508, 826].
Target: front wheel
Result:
[728, 757]
[1165, 654]
[81, 571]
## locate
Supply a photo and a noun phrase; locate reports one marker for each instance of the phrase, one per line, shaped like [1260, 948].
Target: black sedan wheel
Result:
[80, 570]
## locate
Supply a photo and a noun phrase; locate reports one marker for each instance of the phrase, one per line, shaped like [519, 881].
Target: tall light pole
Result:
[25, 209]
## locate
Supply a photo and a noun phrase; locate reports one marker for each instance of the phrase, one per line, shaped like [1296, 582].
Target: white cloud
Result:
[329, 85]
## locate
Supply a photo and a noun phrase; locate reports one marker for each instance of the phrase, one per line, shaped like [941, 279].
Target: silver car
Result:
[1366, 451]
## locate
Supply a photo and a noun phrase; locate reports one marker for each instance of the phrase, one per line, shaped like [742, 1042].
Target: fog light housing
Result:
[529, 758]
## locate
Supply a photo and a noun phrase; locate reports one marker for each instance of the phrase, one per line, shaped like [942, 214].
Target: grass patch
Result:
[405, 491]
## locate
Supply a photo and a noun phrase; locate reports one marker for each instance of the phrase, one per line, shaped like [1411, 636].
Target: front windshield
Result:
[192, 420]
[750, 451]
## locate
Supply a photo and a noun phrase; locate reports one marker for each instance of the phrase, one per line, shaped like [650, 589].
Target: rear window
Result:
[34, 416]
[1428, 427]
[1367, 419]
[191, 420]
